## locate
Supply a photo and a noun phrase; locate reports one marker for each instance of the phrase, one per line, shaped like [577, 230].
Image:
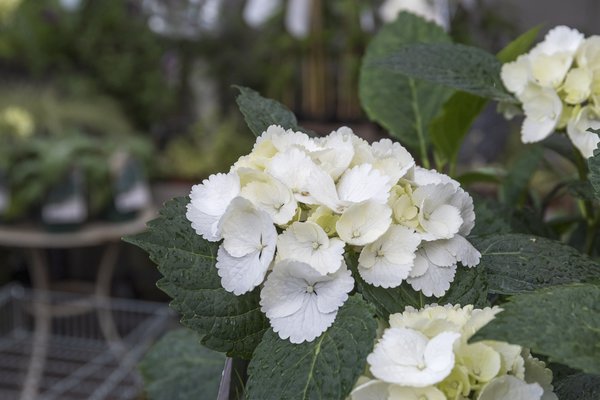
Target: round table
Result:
[35, 240]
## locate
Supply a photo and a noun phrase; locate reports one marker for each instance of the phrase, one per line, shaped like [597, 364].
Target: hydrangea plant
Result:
[341, 269]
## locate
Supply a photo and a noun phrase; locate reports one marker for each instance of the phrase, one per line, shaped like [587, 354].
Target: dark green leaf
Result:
[517, 263]
[457, 66]
[520, 45]
[228, 323]
[178, 367]
[519, 175]
[594, 166]
[490, 218]
[260, 112]
[325, 368]
[452, 125]
[481, 175]
[402, 105]
[581, 190]
[469, 287]
[578, 387]
[561, 322]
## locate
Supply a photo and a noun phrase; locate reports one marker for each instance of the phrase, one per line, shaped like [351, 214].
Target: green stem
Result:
[419, 125]
[587, 207]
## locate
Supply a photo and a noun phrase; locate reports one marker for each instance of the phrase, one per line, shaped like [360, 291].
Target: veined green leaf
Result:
[594, 167]
[260, 112]
[457, 66]
[517, 263]
[402, 105]
[578, 387]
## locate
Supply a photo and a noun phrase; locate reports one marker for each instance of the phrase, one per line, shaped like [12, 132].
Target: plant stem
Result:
[587, 207]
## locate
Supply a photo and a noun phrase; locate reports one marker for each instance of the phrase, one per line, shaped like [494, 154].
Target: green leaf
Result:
[488, 174]
[519, 175]
[325, 368]
[517, 263]
[260, 112]
[578, 387]
[457, 66]
[228, 323]
[178, 367]
[450, 128]
[594, 167]
[469, 287]
[561, 322]
[520, 45]
[402, 105]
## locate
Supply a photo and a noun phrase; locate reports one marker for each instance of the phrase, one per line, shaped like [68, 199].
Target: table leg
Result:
[38, 269]
[104, 277]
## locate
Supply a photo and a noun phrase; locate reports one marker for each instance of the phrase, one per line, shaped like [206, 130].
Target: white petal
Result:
[372, 389]
[246, 229]
[273, 197]
[515, 75]
[293, 167]
[208, 202]
[364, 223]
[409, 393]
[308, 321]
[435, 281]
[508, 387]
[463, 201]
[543, 109]
[464, 251]
[442, 223]
[332, 292]
[362, 183]
[388, 261]
[305, 325]
[579, 131]
[337, 153]
[321, 188]
[392, 159]
[242, 274]
[403, 356]
[423, 176]
[559, 39]
[439, 354]
[307, 242]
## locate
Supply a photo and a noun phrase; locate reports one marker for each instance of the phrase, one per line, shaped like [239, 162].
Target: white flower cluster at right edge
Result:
[289, 212]
[426, 354]
[558, 84]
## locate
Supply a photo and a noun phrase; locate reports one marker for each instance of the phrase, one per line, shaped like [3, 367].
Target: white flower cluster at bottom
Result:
[288, 212]
[426, 355]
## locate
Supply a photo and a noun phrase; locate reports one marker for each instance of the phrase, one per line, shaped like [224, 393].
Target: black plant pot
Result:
[65, 207]
[131, 192]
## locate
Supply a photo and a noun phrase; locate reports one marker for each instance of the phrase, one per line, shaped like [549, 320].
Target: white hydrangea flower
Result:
[208, 202]
[388, 261]
[307, 242]
[508, 387]
[588, 54]
[578, 85]
[249, 239]
[364, 223]
[486, 370]
[579, 131]
[409, 358]
[300, 302]
[516, 75]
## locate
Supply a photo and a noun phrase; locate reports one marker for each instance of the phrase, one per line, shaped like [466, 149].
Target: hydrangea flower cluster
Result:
[558, 83]
[288, 212]
[426, 355]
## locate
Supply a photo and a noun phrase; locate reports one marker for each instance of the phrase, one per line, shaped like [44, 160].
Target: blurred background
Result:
[110, 107]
